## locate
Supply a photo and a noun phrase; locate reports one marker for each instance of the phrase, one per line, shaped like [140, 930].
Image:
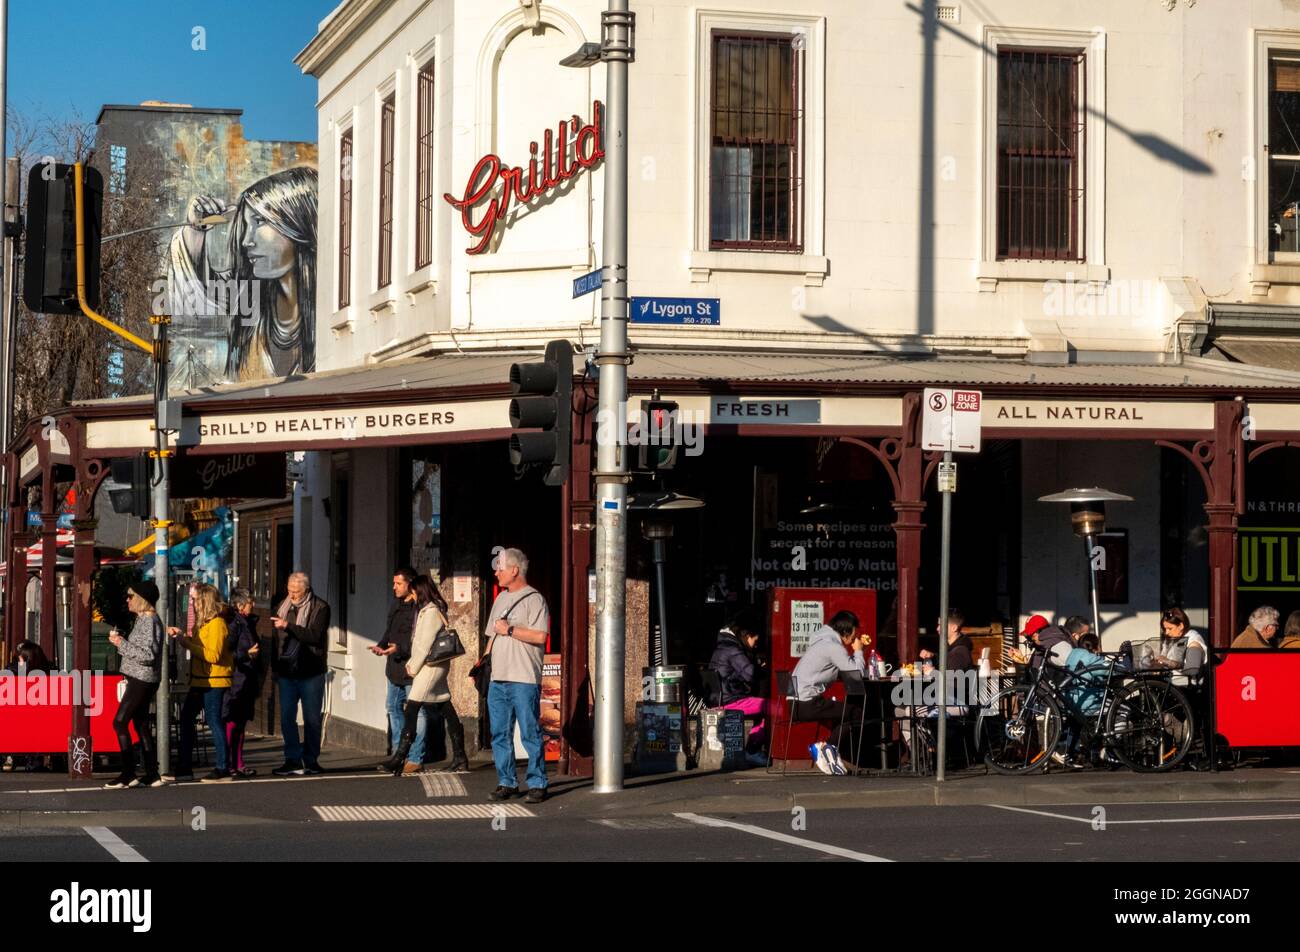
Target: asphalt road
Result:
[438, 820]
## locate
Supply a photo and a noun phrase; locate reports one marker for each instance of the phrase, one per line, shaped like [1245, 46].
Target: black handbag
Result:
[445, 647]
[481, 673]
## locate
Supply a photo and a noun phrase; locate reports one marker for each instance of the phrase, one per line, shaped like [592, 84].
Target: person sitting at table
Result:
[1290, 639]
[833, 648]
[959, 661]
[1260, 630]
[740, 676]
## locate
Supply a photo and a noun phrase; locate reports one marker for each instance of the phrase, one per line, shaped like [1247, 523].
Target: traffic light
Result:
[657, 449]
[543, 403]
[50, 254]
[134, 494]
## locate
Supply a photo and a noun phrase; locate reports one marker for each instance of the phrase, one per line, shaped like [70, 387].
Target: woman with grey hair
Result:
[246, 681]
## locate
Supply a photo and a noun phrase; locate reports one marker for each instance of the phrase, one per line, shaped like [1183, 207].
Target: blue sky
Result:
[74, 57]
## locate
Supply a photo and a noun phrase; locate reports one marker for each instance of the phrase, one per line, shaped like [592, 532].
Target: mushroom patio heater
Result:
[1088, 519]
[658, 530]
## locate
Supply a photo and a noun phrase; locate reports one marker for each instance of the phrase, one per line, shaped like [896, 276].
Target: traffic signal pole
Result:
[160, 454]
[611, 456]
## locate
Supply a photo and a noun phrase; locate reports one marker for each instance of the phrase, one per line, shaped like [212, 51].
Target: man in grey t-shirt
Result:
[518, 626]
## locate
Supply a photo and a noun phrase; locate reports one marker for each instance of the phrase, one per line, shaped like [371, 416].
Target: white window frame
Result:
[385, 298]
[419, 279]
[344, 317]
[812, 264]
[1282, 268]
[1093, 268]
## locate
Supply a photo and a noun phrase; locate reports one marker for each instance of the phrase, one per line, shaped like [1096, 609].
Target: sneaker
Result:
[832, 757]
[1058, 758]
[218, 776]
[152, 780]
[289, 769]
[186, 777]
[313, 770]
[8, 765]
[535, 794]
[120, 782]
[815, 750]
[503, 793]
[244, 774]
[410, 769]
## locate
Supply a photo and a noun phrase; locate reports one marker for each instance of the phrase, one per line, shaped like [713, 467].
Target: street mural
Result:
[253, 294]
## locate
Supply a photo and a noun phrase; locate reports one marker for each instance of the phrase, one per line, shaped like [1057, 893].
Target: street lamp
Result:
[615, 50]
[1088, 518]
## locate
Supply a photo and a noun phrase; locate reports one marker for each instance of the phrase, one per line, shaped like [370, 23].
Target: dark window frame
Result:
[387, 150]
[1281, 147]
[779, 219]
[1041, 214]
[424, 82]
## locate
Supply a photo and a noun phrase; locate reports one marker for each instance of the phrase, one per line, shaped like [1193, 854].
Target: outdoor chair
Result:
[787, 690]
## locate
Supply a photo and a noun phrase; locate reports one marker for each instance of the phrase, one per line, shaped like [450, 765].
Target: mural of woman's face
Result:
[270, 252]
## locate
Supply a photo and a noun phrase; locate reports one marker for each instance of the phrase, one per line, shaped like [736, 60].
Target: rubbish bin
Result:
[663, 685]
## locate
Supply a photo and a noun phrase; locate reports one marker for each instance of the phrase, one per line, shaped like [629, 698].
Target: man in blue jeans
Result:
[302, 624]
[518, 626]
[395, 646]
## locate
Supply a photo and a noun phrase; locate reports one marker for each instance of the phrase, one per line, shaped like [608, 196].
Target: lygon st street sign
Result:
[950, 421]
[493, 185]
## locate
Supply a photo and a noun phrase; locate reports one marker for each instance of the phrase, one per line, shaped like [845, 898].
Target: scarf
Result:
[287, 605]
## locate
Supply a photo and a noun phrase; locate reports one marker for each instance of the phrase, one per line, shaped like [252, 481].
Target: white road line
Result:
[1195, 819]
[782, 838]
[234, 784]
[424, 811]
[114, 844]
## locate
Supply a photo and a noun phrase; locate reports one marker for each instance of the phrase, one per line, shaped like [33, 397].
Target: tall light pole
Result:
[616, 51]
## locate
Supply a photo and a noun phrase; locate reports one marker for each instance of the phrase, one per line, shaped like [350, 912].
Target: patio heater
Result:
[657, 530]
[1088, 519]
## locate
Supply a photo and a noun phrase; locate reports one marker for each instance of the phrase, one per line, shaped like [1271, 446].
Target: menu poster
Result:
[551, 715]
[805, 619]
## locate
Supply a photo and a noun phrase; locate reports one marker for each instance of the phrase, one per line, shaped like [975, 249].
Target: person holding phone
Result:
[245, 680]
[211, 669]
[141, 653]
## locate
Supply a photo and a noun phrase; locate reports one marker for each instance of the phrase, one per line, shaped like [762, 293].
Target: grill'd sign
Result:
[493, 185]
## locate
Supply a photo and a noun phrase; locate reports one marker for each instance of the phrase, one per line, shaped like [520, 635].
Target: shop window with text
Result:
[387, 129]
[1041, 142]
[1283, 152]
[424, 167]
[345, 219]
[756, 200]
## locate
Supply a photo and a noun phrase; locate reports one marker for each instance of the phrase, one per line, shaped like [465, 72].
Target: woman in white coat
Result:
[429, 689]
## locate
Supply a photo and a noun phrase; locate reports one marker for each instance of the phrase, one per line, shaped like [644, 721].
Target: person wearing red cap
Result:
[1054, 642]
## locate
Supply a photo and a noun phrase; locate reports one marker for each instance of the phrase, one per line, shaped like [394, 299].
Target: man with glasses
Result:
[1260, 630]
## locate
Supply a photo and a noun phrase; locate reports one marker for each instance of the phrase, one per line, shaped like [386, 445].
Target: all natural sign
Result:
[492, 186]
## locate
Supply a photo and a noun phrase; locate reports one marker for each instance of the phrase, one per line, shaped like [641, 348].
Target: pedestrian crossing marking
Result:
[423, 811]
[442, 785]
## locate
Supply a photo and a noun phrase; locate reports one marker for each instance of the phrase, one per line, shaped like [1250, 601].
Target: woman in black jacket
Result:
[739, 674]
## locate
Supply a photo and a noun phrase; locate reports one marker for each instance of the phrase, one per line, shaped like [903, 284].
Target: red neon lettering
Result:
[525, 185]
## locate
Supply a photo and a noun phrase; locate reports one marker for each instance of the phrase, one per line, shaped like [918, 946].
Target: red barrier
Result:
[36, 711]
[1257, 698]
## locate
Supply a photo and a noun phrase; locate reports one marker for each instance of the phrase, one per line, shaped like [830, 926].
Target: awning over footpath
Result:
[465, 397]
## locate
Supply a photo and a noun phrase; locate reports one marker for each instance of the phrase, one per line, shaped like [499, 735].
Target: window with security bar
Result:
[387, 128]
[1040, 154]
[345, 219]
[755, 162]
[424, 167]
[1283, 151]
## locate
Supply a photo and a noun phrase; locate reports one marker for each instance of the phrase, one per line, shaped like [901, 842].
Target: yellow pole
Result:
[81, 273]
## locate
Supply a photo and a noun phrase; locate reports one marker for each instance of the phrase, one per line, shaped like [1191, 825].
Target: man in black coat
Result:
[302, 624]
[395, 648]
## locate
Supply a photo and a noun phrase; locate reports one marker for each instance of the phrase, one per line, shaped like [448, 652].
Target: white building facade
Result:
[1080, 209]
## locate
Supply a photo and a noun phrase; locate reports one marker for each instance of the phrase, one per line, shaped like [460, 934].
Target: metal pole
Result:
[611, 463]
[945, 551]
[661, 556]
[8, 313]
[1092, 579]
[161, 563]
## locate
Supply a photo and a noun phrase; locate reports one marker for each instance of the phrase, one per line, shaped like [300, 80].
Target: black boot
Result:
[395, 763]
[459, 762]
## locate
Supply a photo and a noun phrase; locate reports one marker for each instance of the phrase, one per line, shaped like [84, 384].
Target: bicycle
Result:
[1143, 720]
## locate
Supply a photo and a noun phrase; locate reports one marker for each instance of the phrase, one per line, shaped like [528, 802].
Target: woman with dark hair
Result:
[1290, 639]
[429, 687]
[28, 658]
[740, 678]
[1182, 649]
[268, 287]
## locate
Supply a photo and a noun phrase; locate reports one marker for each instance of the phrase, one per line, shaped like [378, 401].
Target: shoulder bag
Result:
[446, 646]
[481, 673]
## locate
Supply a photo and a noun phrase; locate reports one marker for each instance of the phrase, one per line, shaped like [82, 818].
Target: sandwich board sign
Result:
[950, 420]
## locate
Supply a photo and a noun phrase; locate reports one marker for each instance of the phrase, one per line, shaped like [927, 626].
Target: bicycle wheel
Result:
[1150, 726]
[1018, 730]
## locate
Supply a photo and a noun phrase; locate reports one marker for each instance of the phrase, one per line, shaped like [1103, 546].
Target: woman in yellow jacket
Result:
[212, 665]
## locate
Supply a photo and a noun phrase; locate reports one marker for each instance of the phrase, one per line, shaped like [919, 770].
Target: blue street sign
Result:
[657, 310]
[35, 521]
[586, 284]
